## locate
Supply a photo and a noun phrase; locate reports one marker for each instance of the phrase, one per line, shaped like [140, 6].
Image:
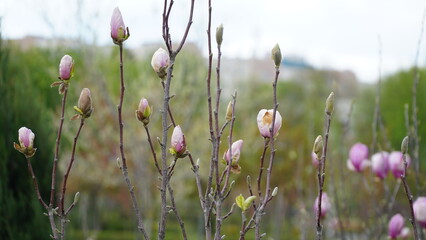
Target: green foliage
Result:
[27, 100]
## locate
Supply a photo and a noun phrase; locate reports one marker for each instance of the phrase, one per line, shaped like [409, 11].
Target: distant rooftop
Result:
[295, 62]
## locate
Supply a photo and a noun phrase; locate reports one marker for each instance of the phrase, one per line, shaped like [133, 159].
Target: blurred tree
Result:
[26, 100]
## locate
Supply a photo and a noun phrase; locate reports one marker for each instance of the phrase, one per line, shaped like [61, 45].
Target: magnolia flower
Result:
[178, 142]
[396, 163]
[264, 122]
[325, 205]
[160, 62]
[236, 152]
[66, 67]
[119, 32]
[396, 227]
[358, 157]
[26, 142]
[144, 111]
[84, 106]
[419, 208]
[380, 164]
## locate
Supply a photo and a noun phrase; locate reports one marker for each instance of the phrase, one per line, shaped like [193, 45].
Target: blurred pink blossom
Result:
[396, 163]
[358, 157]
[380, 164]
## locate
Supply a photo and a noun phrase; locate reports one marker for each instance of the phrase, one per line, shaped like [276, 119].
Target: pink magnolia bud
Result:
[325, 205]
[66, 67]
[396, 224]
[144, 111]
[380, 164]
[178, 142]
[26, 142]
[26, 137]
[236, 151]
[264, 122]
[419, 207]
[358, 157]
[396, 163]
[160, 62]
[119, 32]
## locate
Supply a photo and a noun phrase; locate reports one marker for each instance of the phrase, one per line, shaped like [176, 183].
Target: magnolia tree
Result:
[215, 188]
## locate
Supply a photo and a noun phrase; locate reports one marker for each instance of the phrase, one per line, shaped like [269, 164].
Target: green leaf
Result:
[240, 201]
[247, 203]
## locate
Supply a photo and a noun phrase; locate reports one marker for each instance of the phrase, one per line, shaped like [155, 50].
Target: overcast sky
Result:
[338, 34]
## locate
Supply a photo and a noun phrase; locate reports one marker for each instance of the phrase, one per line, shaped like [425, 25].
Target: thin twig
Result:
[250, 190]
[188, 26]
[63, 216]
[243, 226]
[164, 167]
[125, 172]
[231, 130]
[321, 177]
[175, 211]
[33, 177]
[267, 196]
[409, 196]
[262, 159]
[207, 201]
[216, 149]
[169, 110]
[152, 149]
[414, 135]
[64, 184]
[55, 165]
[56, 158]
[195, 168]
[230, 212]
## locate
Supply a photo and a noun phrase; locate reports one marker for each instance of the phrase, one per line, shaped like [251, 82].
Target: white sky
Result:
[339, 34]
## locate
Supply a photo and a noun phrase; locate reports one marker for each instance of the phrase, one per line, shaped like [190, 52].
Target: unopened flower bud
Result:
[76, 197]
[395, 226]
[358, 157]
[396, 163]
[380, 164]
[325, 205]
[144, 111]
[275, 192]
[160, 62]
[66, 67]
[404, 145]
[84, 107]
[329, 104]
[264, 122]
[318, 147]
[26, 142]
[178, 142]
[236, 152]
[248, 180]
[229, 111]
[119, 32]
[276, 55]
[219, 34]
